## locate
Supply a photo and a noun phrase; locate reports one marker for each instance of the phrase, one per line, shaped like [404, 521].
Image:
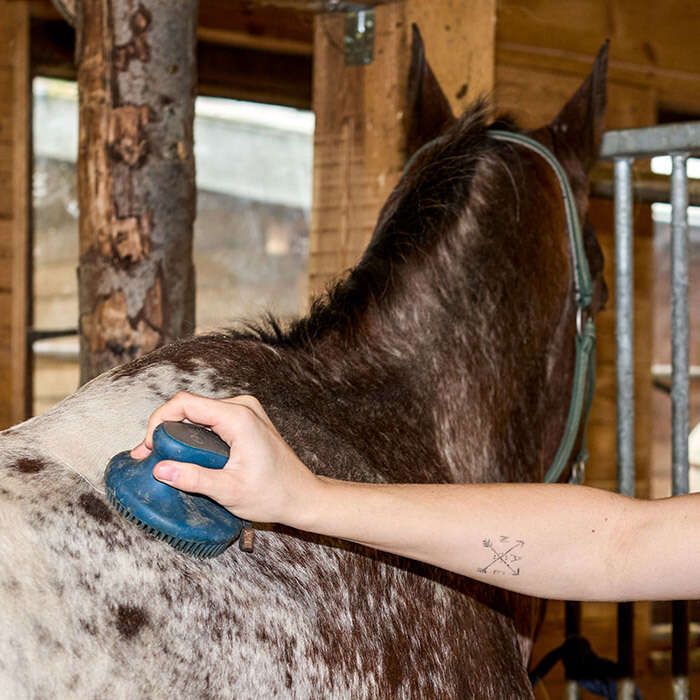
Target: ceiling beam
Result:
[314, 6]
[67, 8]
[237, 72]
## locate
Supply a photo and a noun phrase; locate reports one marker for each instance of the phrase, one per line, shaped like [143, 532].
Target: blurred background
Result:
[251, 232]
[298, 137]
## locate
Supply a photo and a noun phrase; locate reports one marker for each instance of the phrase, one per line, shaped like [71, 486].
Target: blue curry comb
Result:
[192, 523]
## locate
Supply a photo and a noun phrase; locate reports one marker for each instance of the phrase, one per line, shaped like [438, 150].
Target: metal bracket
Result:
[578, 472]
[358, 39]
[68, 9]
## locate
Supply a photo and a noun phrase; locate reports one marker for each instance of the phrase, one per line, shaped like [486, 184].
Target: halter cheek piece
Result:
[584, 368]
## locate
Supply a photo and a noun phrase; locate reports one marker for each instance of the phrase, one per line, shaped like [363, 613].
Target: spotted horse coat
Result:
[445, 356]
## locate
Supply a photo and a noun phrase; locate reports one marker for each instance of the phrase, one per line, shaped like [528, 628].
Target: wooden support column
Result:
[359, 145]
[136, 189]
[15, 158]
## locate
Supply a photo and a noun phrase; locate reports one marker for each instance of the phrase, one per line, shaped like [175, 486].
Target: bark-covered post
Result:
[136, 189]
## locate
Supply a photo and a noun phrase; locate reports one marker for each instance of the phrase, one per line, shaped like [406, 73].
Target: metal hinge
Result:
[358, 39]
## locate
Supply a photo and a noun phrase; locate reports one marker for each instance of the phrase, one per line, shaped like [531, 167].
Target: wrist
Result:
[309, 514]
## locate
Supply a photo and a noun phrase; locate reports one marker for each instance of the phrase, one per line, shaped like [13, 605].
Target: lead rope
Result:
[584, 367]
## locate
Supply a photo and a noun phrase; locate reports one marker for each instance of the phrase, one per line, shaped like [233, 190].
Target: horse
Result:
[445, 355]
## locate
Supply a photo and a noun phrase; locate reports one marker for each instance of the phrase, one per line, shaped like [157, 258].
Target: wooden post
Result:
[136, 189]
[15, 158]
[359, 144]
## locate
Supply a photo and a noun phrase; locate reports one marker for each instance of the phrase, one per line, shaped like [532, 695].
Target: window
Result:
[251, 233]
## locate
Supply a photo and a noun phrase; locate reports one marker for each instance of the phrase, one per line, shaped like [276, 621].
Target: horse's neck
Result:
[482, 375]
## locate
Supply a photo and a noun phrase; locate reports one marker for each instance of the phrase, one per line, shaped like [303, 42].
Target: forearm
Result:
[552, 541]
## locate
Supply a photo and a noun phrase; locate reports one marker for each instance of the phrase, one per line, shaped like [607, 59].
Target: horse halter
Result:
[584, 368]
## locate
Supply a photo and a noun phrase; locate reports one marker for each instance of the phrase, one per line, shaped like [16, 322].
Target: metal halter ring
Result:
[578, 472]
[580, 320]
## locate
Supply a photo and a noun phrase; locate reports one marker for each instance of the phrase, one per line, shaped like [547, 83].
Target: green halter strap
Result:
[584, 367]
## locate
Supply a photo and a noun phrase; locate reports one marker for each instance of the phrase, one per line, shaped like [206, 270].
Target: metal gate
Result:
[678, 141]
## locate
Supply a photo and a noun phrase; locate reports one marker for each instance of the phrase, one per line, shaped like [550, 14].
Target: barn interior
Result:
[299, 138]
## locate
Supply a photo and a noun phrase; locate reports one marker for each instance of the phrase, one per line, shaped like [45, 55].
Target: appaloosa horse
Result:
[445, 356]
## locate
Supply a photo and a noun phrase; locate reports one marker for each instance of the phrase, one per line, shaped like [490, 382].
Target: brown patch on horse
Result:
[130, 619]
[88, 627]
[29, 465]
[96, 508]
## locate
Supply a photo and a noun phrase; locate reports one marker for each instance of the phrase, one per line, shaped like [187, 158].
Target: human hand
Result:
[263, 480]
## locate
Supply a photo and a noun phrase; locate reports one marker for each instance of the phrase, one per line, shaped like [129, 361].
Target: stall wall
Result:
[14, 208]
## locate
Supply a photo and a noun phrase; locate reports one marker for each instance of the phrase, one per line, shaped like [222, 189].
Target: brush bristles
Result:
[200, 550]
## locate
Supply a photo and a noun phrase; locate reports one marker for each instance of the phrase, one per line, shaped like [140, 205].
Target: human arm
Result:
[552, 541]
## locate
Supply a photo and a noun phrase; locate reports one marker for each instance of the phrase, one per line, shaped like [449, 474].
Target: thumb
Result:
[191, 477]
[140, 451]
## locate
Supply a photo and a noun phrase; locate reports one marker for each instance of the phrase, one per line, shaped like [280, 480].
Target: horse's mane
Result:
[428, 200]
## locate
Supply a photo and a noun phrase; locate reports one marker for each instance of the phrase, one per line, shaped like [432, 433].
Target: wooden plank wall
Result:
[654, 45]
[15, 122]
[361, 113]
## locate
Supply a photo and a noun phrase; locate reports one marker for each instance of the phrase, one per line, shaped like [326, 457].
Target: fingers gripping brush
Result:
[192, 523]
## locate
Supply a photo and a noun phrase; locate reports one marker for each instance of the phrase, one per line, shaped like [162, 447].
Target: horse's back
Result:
[93, 605]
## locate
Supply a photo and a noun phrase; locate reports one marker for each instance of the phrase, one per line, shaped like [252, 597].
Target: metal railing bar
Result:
[647, 188]
[624, 324]
[652, 141]
[679, 396]
[624, 333]
[661, 376]
[679, 324]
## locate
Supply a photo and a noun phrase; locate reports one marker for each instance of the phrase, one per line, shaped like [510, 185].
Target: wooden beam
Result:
[228, 37]
[225, 8]
[52, 48]
[250, 25]
[361, 114]
[237, 72]
[43, 9]
[652, 45]
[535, 95]
[318, 6]
[67, 8]
[272, 29]
[250, 74]
[647, 187]
[15, 139]
[650, 35]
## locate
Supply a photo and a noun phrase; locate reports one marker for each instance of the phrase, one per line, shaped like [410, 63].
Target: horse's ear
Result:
[580, 124]
[429, 110]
